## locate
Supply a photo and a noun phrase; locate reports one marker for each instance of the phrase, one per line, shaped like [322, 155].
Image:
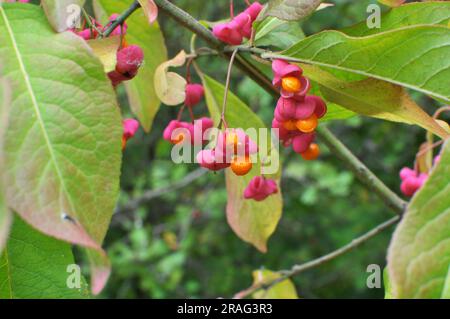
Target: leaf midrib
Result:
[34, 101]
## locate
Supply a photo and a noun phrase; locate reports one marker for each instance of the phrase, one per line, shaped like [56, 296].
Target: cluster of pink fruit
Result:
[296, 114]
[240, 27]
[178, 131]
[228, 144]
[129, 57]
[413, 179]
[233, 149]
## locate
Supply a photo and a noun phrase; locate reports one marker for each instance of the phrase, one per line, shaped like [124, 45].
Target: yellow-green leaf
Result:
[170, 86]
[282, 290]
[373, 98]
[415, 13]
[392, 3]
[106, 50]
[414, 57]
[387, 285]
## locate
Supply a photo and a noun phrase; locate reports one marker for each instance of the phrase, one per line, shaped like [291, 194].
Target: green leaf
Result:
[5, 220]
[334, 111]
[387, 285]
[392, 3]
[141, 92]
[419, 253]
[282, 290]
[37, 266]
[63, 143]
[5, 215]
[413, 57]
[290, 10]
[62, 14]
[373, 98]
[277, 33]
[252, 221]
[416, 13]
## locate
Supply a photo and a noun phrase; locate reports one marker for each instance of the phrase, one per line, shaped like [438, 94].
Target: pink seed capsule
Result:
[129, 60]
[260, 188]
[194, 94]
[406, 172]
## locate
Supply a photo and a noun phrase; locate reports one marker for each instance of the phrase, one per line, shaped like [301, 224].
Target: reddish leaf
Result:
[150, 10]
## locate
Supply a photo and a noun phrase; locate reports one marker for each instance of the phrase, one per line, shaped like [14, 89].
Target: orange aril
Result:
[311, 153]
[290, 125]
[241, 166]
[308, 125]
[291, 84]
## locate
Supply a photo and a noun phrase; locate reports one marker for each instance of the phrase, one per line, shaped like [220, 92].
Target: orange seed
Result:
[308, 125]
[241, 166]
[291, 84]
[311, 153]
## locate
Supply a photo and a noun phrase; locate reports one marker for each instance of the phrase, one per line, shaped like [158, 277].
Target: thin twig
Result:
[89, 21]
[365, 175]
[180, 112]
[135, 203]
[121, 19]
[297, 269]
[227, 88]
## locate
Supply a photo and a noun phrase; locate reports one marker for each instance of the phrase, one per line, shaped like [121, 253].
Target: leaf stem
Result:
[428, 148]
[297, 269]
[227, 88]
[91, 24]
[440, 111]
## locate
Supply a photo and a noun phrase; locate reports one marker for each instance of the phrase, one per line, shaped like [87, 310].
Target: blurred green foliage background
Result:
[179, 245]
